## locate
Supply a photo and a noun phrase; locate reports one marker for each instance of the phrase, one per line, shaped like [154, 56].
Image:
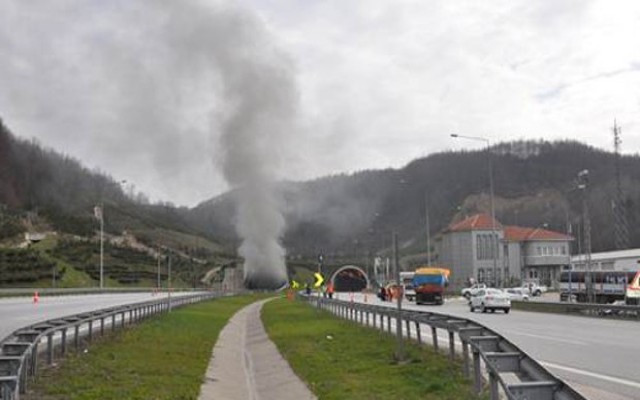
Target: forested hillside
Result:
[534, 185]
[42, 190]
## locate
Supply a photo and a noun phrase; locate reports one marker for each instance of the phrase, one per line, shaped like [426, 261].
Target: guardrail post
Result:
[434, 336]
[101, 326]
[465, 357]
[389, 323]
[50, 348]
[477, 373]
[493, 386]
[63, 341]
[407, 323]
[452, 345]
[113, 322]
[76, 338]
[418, 334]
[34, 359]
[90, 329]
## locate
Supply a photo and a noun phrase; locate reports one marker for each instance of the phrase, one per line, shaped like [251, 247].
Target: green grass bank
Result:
[341, 360]
[165, 357]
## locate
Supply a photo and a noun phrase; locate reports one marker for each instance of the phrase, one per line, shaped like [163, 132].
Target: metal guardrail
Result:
[19, 351]
[519, 376]
[584, 309]
[13, 292]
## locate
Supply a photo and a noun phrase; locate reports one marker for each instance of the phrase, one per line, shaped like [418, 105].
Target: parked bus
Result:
[607, 286]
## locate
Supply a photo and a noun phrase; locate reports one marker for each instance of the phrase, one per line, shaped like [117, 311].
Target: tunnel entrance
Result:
[350, 278]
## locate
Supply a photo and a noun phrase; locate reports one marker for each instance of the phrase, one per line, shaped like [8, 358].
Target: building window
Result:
[564, 250]
[539, 250]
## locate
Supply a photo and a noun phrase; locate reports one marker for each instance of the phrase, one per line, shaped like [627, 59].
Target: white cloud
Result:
[380, 82]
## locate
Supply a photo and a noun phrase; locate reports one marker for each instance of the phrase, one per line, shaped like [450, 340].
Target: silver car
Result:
[490, 299]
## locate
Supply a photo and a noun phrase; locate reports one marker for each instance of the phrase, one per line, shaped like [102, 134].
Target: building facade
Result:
[620, 260]
[483, 250]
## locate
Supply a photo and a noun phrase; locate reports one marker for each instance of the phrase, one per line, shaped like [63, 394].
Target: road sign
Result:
[319, 280]
[294, 285]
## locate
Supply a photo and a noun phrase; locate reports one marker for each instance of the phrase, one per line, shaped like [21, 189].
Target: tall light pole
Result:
[583, 184]
[494, 238]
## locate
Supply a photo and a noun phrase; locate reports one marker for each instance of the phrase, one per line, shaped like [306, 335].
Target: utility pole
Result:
[399, 356]
[495, 249]
[583, 184]
[158, 257]
[426, 212]
[169, 281]
[98, 212]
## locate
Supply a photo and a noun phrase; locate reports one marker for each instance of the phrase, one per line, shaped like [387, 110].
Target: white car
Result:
[534, 289]
[517, 294]
[471, 291]
[490, 299]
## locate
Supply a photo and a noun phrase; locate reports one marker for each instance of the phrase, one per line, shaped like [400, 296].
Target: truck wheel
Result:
[467, 295]
[482, 308]
[471, 308]
[537, 293]
[493, 310]
[506, 310]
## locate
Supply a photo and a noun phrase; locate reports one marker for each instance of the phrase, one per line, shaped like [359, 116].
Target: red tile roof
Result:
[478, 222]
[520, 234]
[511, 233]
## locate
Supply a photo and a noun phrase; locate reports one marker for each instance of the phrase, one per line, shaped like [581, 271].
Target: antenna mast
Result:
[621, 228]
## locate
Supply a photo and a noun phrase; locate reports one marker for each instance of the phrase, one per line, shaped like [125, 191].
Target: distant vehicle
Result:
[607, 286]
[517, 294]
[533, 289]
[429, 284]
[470, 291]
[407, 282]
[490, 299]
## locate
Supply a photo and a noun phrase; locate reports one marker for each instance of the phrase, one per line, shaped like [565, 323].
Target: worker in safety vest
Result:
[330, 290]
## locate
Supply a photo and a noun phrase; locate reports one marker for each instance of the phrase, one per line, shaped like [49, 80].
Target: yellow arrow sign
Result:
[294, 285]
[319, 280]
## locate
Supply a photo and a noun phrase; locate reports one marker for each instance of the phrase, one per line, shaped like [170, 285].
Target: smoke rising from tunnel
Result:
[260, 90]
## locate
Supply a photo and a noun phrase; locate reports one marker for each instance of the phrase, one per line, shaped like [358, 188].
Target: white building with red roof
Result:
[480, 248]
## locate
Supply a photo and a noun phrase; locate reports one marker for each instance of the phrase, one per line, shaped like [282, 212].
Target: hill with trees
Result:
[535, 184]
[42, 190]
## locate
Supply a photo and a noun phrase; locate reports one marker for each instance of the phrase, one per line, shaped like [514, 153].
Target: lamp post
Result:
[494, 239]
[583, 185]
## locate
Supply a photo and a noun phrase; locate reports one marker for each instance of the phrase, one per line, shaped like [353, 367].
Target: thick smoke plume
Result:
[260, 87]
[162, 84]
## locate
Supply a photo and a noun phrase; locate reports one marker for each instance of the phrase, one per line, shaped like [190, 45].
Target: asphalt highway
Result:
[596, 356]
[17, 312]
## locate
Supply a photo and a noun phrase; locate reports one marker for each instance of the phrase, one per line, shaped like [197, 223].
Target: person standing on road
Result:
[330, 290]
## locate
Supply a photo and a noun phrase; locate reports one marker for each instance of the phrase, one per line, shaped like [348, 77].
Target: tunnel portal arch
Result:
[350, 278]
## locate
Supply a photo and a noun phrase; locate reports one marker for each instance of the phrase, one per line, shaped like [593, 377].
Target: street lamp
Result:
[494, 239]
[583, 185]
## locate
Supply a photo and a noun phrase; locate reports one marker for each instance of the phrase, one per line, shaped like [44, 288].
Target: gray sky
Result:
[379, 82]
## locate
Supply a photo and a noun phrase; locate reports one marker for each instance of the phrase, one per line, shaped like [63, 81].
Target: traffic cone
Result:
[36, 297]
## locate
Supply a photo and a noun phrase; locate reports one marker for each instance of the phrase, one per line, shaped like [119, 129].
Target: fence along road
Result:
[511, 372]
[596, 356]
[16, 312]
[19, 351]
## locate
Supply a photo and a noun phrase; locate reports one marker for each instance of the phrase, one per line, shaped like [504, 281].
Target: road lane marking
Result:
[607, 378]
[551, 338]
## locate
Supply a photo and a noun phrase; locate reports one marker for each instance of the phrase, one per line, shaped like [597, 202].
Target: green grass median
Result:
[163, 358]
[341, 360]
